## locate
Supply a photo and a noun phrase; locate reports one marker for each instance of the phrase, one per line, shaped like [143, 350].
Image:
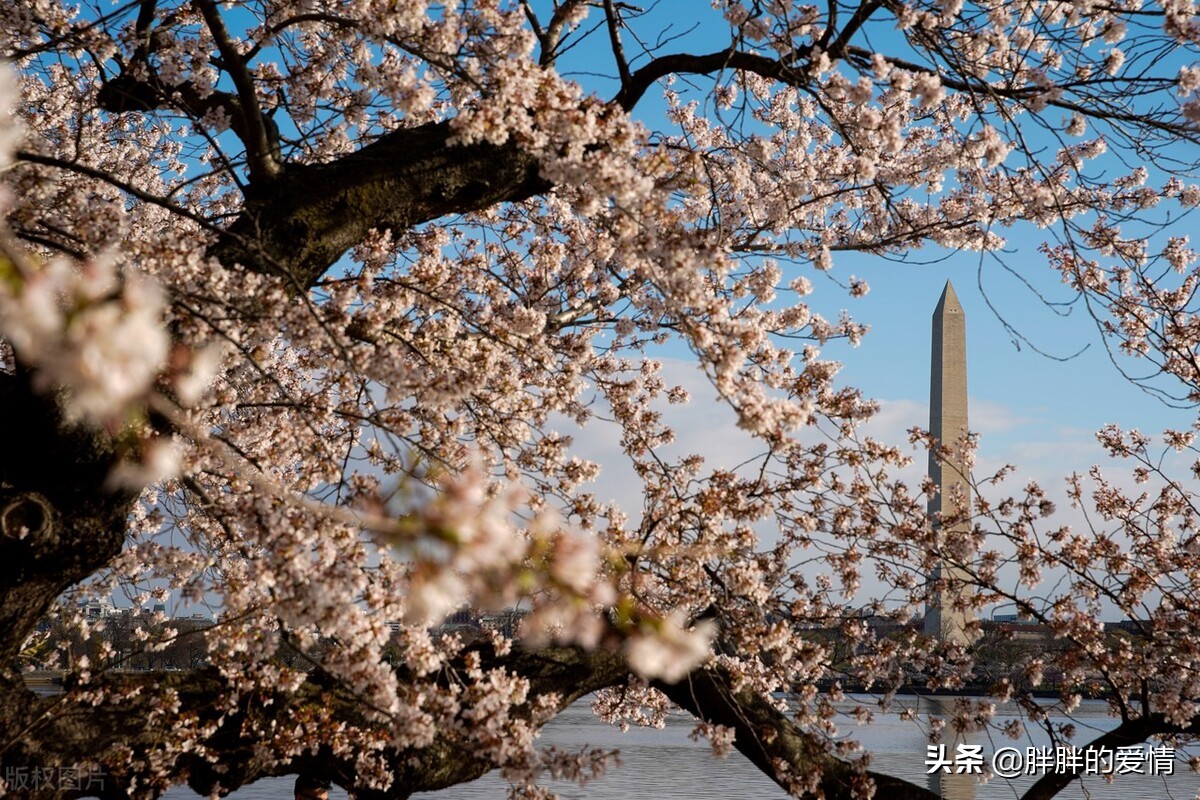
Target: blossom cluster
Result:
[338, 461]
[89, 330]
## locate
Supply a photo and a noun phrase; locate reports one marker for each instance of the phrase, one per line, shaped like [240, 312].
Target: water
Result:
[667, 764]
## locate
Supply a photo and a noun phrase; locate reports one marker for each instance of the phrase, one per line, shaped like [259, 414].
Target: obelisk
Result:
[947, 463]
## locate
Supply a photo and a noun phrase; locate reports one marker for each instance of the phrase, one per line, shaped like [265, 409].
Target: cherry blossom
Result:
[310, 305]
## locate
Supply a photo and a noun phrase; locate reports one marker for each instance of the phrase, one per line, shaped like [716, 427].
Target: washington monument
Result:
[948, 426]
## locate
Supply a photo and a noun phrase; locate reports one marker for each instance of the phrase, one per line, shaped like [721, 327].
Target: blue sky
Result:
[1044, 398]
[1037, 410]
[1032, 410]
[1022, 398]
[1040, 395]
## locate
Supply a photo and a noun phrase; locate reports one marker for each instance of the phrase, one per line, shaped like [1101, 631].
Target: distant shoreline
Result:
[49, 681]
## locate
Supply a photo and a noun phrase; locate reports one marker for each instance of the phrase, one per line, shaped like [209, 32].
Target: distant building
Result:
[469, 624]
[99, 608]
[1133, 627]
[1025, 632]
[464, 616]
[506, 622]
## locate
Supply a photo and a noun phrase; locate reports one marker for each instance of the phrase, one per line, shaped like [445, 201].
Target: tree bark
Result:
[119, 733]
[59, 522]
[299, 224]
[1130, 732]
[50, 740]
[769, 739]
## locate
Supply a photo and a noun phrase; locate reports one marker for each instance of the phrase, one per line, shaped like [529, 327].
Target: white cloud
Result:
[705, 426]
[1034, 440]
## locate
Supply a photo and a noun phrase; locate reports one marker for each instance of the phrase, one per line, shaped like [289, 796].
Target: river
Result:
[667, 765]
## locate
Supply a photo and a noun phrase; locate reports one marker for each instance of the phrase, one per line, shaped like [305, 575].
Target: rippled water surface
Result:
[666, 765]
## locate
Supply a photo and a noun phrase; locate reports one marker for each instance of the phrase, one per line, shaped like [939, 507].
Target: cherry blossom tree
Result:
[302, 302]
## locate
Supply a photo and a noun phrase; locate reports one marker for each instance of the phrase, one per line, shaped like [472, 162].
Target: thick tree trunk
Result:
[768, 738]
[299, 224]
[59, 522]
[121, 734]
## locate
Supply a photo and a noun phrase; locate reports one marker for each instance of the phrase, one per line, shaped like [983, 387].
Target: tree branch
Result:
[769, 739]
[301, 223]
[857, 20]
[1128, 733]
[124, 727]
[690, 64]
[261, 140]
[614, 37]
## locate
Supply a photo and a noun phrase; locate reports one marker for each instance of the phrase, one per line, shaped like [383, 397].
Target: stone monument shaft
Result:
[948, 472]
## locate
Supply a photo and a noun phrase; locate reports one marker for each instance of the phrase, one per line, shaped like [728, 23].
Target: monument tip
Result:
[948, 301]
